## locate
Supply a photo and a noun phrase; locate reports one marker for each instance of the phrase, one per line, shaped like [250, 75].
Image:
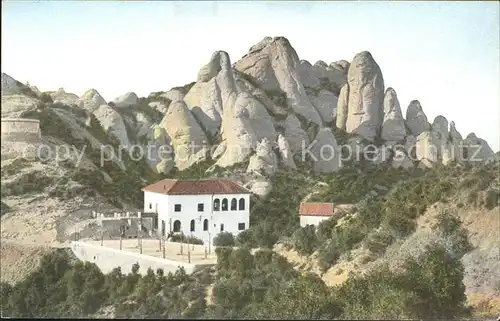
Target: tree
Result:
[241, 263]
[224, 239]
[326, 228]
[305, 239]
[46, 98]
[436, 277]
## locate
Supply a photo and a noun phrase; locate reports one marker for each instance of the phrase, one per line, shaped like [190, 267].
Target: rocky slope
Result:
[268, 92]
[267, 111]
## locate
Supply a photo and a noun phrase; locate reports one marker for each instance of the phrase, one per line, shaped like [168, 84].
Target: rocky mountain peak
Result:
[126, 100]
[416, 119]
[366, 95]
[91, 100]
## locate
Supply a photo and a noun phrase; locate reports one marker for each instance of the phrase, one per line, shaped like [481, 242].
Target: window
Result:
[177, 207]
[217, 204]
[224, 204]
[177, 226]
[200, 207]
[241, 226]
[222, 227]
[234, 204]
[192, 225]
[150, 206]
[205, 225]
[242, 204]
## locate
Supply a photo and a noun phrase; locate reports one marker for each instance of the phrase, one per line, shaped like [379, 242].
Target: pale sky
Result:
[445, 54]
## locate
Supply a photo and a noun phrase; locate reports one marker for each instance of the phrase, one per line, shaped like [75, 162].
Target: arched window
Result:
[234, 204]
[216, 204]
[242, 204]
[177, 226]
[224, 204]
[205, 225]
[192, 225]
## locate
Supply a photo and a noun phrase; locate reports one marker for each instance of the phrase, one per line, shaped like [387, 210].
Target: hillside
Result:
[265, 120]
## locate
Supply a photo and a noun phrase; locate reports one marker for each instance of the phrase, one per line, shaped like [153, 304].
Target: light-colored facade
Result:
[200, 215]
[312, 220]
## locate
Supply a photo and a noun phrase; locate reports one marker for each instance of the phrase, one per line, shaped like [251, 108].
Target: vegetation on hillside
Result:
[264, 285]
[259, 286]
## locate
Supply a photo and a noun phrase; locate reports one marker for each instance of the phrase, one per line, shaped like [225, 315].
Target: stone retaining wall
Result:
[108, 258]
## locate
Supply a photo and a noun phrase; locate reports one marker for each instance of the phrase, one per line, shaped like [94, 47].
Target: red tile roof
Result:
[196, 187]
[316, 209]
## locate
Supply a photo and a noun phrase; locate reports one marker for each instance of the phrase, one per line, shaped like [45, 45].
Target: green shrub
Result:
[328, 256]
[241, 263]
[224, 239]
[82, 113]
[181, 238]
[223, 257]
[450, 228]
[326, 228]
[378, 241]
[492, 199]
[305, 240]
[263, 257]
[15, 166]
[143, 106]
[46, 98]
[400, 225]
[430, 287]
[278, 97]
[28, 183]
[184, 89]
[325, 83]
[245, 238]
[472, 197]
[447, 223]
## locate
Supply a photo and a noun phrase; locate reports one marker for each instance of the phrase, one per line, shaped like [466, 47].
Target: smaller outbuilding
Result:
[314, 213]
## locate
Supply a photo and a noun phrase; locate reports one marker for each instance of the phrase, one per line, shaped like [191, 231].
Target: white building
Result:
[314, 213]
[199, 208]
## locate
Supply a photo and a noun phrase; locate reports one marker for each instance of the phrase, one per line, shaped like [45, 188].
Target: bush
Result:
[224, 239]
[305, 240]
[429, 287]
[492, 199]
[143, 106]
[378, 241]
[241, 263]
[184, 89]
[278, 97]
[46, 98]
[181, 238]
[456, 237]
[245, 238]
[326, 228]
[399, 224]
[4, 209]
[472, 197]
[29, 183]
[15, 167]
[328, 256]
